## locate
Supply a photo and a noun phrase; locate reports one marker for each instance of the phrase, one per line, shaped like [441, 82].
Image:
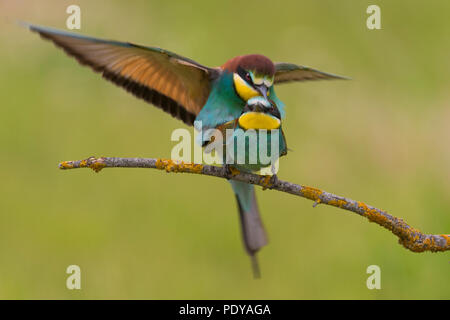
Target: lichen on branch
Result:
[409, 237]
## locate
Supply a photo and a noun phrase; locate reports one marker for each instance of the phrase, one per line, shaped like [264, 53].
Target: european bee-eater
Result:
[238, 94]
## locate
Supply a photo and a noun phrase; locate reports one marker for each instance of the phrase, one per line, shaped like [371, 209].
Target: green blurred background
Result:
[382, 138]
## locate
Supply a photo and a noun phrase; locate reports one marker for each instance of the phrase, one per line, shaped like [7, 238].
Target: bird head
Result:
[252, 75]
[258, 113]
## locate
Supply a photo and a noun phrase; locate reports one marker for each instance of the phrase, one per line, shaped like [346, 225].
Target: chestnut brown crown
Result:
[256, 62]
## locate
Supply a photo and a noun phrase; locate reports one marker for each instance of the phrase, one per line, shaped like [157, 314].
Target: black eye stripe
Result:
[243, 74]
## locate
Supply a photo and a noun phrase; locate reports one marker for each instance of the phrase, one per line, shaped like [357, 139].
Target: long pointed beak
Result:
[263, 90]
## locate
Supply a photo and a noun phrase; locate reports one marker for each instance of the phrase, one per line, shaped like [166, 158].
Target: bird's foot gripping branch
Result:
[409, 237]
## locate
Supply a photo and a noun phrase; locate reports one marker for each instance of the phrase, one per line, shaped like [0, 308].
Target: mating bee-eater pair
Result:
[240, 92]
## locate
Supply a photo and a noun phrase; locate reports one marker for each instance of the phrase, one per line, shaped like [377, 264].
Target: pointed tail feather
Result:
[253, 233]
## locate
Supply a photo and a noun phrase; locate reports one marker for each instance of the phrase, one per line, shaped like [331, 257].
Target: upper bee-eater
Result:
[238, 94]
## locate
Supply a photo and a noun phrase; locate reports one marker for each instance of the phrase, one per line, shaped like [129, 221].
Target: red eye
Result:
[247, 76]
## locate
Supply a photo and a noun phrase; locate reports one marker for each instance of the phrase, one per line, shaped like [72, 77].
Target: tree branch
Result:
[409, 237]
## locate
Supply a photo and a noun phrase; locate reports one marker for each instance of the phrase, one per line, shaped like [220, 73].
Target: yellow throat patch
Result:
[258, 120]
[245, 91]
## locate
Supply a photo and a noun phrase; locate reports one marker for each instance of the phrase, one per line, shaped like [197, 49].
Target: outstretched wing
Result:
[171, 82]
[287, 72]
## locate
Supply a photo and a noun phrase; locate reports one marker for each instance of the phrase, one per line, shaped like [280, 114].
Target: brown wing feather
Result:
[173, 83]
[287, 72]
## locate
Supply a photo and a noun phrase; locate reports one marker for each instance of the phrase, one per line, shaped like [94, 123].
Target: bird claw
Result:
[226, 171]
[269, 181]
[229, 172]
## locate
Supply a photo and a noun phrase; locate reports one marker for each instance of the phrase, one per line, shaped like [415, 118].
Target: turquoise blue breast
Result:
[254, 149]
[223, 104]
